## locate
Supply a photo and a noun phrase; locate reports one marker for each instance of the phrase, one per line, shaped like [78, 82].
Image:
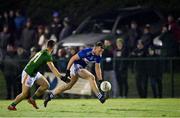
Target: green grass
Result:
[93, 108]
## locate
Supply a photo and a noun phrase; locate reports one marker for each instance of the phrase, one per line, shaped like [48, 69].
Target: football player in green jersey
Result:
[30, 75]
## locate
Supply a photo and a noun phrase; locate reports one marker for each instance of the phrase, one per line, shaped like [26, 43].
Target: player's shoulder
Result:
[87, 49]
[45, 53]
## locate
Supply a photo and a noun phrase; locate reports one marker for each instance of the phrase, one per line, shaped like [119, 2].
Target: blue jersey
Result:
[86, 56]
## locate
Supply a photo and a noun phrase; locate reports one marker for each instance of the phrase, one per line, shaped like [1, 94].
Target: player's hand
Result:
[65, 79]
[67, 74]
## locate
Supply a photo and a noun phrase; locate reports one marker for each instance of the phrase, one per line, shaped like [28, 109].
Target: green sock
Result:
[34, 97]
[13, 104]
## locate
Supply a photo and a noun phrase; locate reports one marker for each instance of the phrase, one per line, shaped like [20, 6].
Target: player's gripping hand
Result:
[67, 74]
[67, 77]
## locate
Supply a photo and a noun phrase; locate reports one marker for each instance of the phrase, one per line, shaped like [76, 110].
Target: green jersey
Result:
[40, 59]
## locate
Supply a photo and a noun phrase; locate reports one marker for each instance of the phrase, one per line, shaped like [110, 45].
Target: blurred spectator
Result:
[21, 53]
[44, 37]
[55, 27]
[21, 62]
[20, 21]
[11, 21]
[134, 35]
[147, 36]
[28, 36]
[10, 69]
[47, 32]
[61, 60]
[174, 28]
[155, 71]
[169, 46]
[140, 69]
[67, 29]
[1, 22]
[33, 51]
[5, 18]
[5, 38]
[41, 37]
[108, 70]
[121, 67]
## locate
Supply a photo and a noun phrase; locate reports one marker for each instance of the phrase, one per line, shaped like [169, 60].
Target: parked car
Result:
[112, 24]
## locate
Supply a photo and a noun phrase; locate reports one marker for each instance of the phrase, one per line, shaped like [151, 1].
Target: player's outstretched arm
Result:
[98, 71]
[98, 74]
[56, 72]
[70, 63]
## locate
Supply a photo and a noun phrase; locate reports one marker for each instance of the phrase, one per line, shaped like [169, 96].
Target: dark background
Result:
[41, 13]
[41, 10]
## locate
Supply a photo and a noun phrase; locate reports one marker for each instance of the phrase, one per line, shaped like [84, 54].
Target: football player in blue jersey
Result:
[76, 68]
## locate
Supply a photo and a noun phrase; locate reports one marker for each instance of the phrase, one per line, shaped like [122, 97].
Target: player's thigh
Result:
[25, 89]
[42, 81]
[85, 74]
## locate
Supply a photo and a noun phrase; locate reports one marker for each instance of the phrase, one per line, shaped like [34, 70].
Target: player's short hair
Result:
[50, 43]
[99, 44]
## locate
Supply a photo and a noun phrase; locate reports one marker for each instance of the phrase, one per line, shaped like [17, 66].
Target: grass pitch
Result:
[93, 108]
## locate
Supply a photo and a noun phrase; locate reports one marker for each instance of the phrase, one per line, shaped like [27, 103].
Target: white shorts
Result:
[30, 80]
[74, 69]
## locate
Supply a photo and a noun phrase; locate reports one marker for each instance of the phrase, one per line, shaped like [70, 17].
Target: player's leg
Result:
[26, 84]
[60, 89]
[85, 74]
[67, 86]
[20, 97]
[43, 85]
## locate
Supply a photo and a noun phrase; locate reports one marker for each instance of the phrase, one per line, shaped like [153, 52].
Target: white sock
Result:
[99, 96]
[52, 95]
